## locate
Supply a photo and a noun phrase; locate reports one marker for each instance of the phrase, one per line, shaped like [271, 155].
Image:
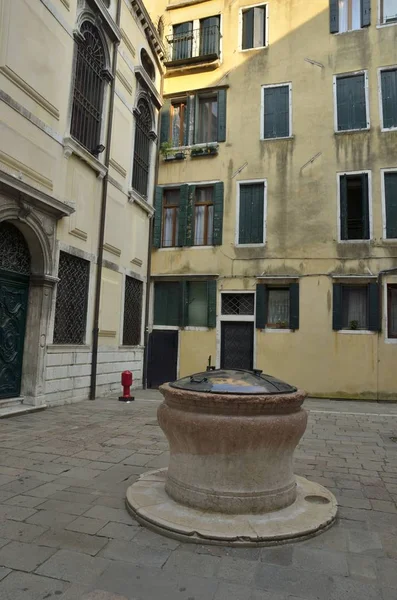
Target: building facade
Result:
[80, 84]
[275, 235]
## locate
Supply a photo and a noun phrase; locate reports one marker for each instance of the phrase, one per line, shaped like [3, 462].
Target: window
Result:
[142, 146]
[185, 303]
[132, 312]
[354, 207]
[356, 306]
[204, 216]
[238, 304]
[390, 192]
[276, 111]
[182, 41]
[388, 11]
[188, 215]
[254, 27]
[72, 298]
[277, 306]
[347, 15]
[88, 89]
[197, 119]
[388, 80]
[195, 39]
[392, 311]
[209, 36]
[170, 217]
[351, 102]
[251, 212]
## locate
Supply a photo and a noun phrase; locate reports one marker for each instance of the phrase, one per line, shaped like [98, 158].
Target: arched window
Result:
[88, 89]
[143, 127]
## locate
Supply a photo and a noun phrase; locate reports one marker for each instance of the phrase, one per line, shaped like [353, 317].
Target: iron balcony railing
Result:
[194, 45]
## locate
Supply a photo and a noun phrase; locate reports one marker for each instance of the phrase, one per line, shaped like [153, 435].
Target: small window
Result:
[72, 298]
[389, 98]
[207, 116]
[354, 207]
[209, 36]
[182, 41]
[388, 11]
[167, 303]
[277, 307]
[392, 311]
[276, 111]
[251, 213]
[349, 15]
[204, 216]
[254, 27]
[142, 148]
[390, 182]
[238, 304]
[185, 303]
[354, 307]
[178, 123]
[171, 201]
[351, 105]
[198, 304]
[132, 311]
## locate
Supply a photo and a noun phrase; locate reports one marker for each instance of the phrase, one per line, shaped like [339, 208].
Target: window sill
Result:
[390, 340]
[388, 240]
[349, 31]
[388, 129]
[59, 348]
[70, 146]
[357, 332]
[382, 25]
[167, 327]
[167, 248]
[275, 330]
[254, 49]
[262, 245]
[135, 198]
[193, 328]
[344, 131]
[366, 241]
[126, 347]
[277, 139]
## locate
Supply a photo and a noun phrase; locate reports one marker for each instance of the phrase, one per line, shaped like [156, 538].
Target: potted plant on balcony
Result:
[354, 324]
[208, 150]
[169, 153]
[281, 324]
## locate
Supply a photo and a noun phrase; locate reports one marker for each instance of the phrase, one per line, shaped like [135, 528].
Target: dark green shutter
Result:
[218, 213]
[373, 307]
[243, 227]
[211, 298]
[337, 319]
[158, 206]
[343, 207]
[182, 214]
[276, 112]
[294, 306]
[222, 116]
[189, 240]
[248, 29]
[334, 16]
[261, 310]
[165, 122]
[251, 213]
[167, 300]
[209, 36]
[351, 104]
[188, 132]
[184, 303]
[391, 204]
[365, 13]
[389, 98]
[182, 41]
[365, 205]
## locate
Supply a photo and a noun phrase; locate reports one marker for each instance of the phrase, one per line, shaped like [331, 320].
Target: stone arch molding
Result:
[144, 95]
[87, 15]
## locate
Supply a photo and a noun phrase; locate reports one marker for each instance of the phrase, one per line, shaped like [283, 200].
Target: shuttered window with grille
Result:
[356, 307]
[132, 312]
[72, 299]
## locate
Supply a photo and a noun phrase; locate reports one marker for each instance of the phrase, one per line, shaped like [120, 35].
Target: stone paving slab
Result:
[65, 533]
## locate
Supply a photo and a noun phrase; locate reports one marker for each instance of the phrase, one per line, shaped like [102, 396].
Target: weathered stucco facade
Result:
[62, 89]
[307, 239]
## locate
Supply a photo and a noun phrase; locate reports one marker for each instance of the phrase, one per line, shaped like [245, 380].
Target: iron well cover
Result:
[233, 381]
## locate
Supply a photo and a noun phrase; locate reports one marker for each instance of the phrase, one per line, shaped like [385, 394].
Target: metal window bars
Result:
[195, 43]
[14, 251]
[132, 311]
[143, 126]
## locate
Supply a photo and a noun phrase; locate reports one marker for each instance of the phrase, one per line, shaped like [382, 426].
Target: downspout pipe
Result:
[101, 233]
[380, 275]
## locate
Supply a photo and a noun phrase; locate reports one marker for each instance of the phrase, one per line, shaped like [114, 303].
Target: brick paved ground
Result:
[65, 534]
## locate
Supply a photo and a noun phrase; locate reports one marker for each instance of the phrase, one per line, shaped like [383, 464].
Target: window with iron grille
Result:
[88, 88]
[72, 299]
[143, 127]
[238, 304]
[132, 312]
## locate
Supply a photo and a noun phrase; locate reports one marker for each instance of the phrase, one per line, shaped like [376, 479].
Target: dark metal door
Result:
[162, 357]
[14, 290]
[237, 345]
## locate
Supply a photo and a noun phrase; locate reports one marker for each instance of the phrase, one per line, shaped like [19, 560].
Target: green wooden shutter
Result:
[276, 112]
[209, 36]
[389, 98]
[158, 206]
[248, 29]
[184, 303]
[337, 318]
[189, 134]
[334, 16]
[189, 240]
[373, 307]
[211, 298]
[222, 116]
[260, 309]
[167, 297]
[165, 117]
[243, 223]
[218, 213]
[282, 120]
[365, 205]
[365, 13]
[182, 214]
[343, 207]
[351, 104]
[294, 306]
[391, 204]
[251, 213]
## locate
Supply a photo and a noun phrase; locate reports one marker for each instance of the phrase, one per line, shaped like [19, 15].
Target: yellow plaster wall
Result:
[194, 349]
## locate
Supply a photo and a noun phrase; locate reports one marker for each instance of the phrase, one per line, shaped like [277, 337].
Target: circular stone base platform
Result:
[313, 511]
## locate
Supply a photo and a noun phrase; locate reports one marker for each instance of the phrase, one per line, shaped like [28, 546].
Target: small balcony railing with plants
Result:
[194, 46]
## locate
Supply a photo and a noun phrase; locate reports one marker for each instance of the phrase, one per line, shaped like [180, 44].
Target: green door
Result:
[14, 290]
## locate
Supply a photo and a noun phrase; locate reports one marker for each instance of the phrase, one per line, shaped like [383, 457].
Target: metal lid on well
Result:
[234, 381]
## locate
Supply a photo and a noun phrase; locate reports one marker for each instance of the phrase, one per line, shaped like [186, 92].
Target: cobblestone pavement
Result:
[65, 534]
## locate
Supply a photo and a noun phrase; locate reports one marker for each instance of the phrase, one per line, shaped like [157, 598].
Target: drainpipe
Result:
[101, 235]
[149, 259]
[380, 275]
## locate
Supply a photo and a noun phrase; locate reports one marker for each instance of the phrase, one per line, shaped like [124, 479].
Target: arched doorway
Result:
[15, 263]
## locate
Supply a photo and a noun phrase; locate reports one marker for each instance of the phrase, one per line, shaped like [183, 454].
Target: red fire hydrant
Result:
[126, 382]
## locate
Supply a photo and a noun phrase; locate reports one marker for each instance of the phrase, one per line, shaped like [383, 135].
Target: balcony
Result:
[193, 47]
